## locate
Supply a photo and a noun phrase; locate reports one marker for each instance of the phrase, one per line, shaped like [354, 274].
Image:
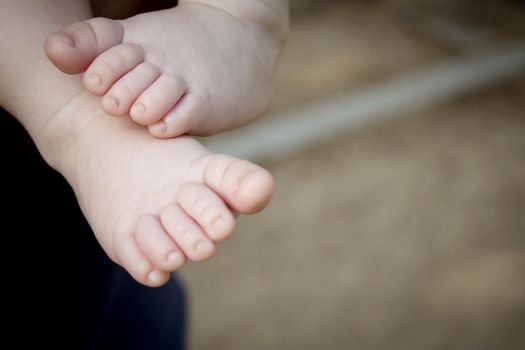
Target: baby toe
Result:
[157, 245]
[110, 66]
[186, 233]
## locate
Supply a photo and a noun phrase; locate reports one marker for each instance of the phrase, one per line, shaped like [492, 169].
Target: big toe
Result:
[244, 186]
[74, 48]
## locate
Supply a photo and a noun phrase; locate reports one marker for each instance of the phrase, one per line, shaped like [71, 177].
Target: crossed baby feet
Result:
[194, 69]
[154, 204]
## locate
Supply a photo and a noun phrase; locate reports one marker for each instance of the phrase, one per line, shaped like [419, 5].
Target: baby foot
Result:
[155, 203]
[192, 69]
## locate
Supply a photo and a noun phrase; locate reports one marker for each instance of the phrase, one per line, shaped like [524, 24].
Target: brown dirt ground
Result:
[406, 235]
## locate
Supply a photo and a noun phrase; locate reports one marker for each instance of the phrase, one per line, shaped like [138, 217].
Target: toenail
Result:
[95, 78]
[154, 277]
[112, 101]
[138, 109]
[173, 257]
[203, 247]
[219, 221]
[160, 127]
[68, 40]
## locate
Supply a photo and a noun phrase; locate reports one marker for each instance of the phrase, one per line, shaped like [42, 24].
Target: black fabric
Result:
[60, 288]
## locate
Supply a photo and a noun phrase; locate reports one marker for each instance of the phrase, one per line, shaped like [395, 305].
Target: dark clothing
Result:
[60, 287]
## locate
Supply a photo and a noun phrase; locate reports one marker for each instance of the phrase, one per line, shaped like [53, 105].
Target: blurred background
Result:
[397, 140]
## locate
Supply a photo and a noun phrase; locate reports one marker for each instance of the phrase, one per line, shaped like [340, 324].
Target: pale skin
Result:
[200, 68]
[153, 204]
